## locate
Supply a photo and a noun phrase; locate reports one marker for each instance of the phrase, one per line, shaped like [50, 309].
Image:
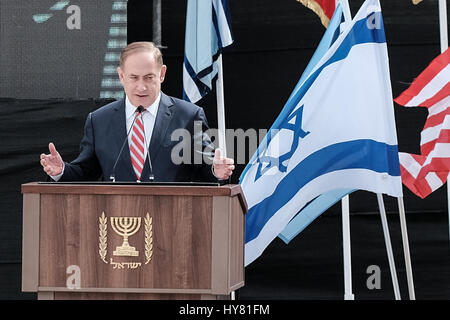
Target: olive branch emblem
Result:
[102, 245]
[148, 238]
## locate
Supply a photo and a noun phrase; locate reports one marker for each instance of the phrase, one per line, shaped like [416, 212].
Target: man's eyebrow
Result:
[136, 75]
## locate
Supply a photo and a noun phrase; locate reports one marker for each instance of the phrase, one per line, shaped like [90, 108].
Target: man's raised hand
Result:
[52, 163]
[223, 167]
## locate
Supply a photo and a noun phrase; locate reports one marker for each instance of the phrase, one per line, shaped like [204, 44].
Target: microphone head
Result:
[140, 109]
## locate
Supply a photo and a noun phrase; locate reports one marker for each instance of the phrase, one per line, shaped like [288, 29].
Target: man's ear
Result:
[121, 75]
[163, 73]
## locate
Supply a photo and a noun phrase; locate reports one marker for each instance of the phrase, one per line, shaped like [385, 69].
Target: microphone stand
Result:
[139, 110]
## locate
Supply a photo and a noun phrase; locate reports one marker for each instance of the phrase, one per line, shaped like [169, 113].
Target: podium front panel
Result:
[172, 246]
[94, 241]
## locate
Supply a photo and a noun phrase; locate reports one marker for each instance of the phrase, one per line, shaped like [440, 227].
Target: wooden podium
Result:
[135, 241]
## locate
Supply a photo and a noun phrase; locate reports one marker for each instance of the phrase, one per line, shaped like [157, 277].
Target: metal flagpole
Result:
[348, 294]
[221, 117]
[448, 203]
[444, 46]
[346, 10]
[157, 37]
[387, 240]
[409, 275]
[443, 24]
[221, 107]
[346, 245]
[157, 22]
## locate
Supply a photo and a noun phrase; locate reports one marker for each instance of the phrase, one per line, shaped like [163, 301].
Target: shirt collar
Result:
[130, 109]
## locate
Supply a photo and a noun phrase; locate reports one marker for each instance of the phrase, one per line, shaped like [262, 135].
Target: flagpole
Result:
[221, 118]
[157, 22]
[448, 203]
[348, 294]
[387, 240]
[443, 24]
[220, 107]
[444, 46]
[409, 275]
[346, 10]
[345, 202]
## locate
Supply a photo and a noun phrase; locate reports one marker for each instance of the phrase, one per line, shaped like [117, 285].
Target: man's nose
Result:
[141, 85]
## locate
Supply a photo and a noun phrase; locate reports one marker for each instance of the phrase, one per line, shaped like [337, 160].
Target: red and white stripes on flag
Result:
[424, 173]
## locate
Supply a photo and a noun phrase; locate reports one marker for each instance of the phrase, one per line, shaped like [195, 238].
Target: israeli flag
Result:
[320, 204]
[208, 30]
[336, 132]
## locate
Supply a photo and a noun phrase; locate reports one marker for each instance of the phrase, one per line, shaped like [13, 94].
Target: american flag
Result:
[426, 172]
[323, 8]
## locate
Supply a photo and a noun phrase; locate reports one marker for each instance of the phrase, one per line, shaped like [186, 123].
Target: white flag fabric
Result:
[336, 132]
[208, 30]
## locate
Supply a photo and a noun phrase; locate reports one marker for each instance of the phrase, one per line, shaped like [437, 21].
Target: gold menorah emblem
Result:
[126, 227]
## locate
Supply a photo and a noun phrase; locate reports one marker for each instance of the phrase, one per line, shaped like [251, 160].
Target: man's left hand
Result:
[223, 167]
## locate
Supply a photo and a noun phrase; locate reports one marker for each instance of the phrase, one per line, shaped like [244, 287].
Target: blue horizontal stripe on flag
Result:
[359, 34]
[356, 154]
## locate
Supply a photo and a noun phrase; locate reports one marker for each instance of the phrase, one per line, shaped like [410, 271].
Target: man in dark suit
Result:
[151, 118]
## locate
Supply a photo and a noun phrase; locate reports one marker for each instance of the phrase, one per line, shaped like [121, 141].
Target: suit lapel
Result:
[120, 134]
[162, 122]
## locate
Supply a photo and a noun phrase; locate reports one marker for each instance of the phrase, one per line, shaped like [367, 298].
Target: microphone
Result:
[112, 177]
[151, 177]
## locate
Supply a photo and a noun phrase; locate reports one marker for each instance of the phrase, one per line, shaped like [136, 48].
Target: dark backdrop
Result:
[43, 59]
[274, 41]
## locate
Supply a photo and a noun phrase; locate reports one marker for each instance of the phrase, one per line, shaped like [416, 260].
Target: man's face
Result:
[141, 77]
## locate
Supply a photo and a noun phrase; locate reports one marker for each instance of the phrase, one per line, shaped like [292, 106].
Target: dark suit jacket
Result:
[105, 133]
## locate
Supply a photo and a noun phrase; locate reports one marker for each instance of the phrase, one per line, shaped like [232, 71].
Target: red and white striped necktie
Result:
[137, 146]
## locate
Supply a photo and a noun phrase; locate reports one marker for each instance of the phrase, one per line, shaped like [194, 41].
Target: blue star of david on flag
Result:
[293, 123]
